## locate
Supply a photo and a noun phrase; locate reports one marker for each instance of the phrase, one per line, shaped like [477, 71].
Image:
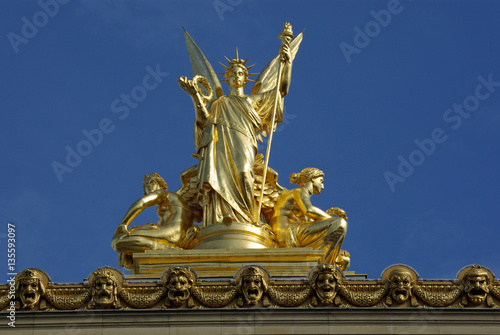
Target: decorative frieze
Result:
[252, 286]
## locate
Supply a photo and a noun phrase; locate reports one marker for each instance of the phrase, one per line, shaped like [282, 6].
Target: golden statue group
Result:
[231, 236]
[232, 192]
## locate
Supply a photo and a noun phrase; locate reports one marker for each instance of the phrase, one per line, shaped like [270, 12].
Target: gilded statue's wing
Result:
[266, 81]
[202, 67]
[189, 190]
[272, 190]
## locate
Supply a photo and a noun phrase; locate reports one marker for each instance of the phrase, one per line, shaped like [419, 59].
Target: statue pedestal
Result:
[211, 263]
[219, 250]
[224, 263]
[234, 235]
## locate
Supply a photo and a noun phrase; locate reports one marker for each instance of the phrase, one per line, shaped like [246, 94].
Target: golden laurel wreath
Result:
[201, 80]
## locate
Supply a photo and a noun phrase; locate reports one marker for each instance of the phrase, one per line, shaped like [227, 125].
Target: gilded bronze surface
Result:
[231, 191]
[227, 130]
[253, 287]
[297, 223]
[175, 218]
[244, 217]
[216, 263]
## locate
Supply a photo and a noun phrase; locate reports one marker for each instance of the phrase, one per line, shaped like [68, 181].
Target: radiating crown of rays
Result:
[239, 63]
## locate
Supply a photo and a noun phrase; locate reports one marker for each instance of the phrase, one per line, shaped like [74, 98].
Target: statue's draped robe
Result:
[227, 153]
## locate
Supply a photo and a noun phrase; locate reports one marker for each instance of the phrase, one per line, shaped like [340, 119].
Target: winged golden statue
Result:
[227, 127]
[231, 190]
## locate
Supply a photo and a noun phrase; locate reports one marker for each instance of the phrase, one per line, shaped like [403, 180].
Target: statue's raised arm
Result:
[199, 99]
[228, 127]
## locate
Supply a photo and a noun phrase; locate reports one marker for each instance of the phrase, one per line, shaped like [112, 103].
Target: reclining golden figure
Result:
[297, 223]
[175, 217]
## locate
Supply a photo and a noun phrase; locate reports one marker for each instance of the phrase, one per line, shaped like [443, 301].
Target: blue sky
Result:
[397, 102]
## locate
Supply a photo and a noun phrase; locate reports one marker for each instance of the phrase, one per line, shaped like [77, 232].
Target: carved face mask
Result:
[29, 292]
[401, 286]
[476, 288]
[104, 291]
[252, 289]
[325, 287]
[178, 289]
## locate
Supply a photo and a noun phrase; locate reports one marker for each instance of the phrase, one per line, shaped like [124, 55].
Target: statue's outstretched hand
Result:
[337, 211]
[188, 85]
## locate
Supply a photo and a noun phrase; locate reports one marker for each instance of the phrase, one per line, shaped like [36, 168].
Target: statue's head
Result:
[324, 280]
[236, 74]
[253, 282]
[30, 287]
[401, 284]
[310, 174]
[104, 284]
[476, 283]
[178, 281]
[153, 182]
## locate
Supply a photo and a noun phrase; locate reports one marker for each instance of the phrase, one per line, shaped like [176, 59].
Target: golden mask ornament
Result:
[401, 284]
[476, 285]
[178, 281]
[30, 286]
[253, 283]
[104, 284]
[325, 279]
